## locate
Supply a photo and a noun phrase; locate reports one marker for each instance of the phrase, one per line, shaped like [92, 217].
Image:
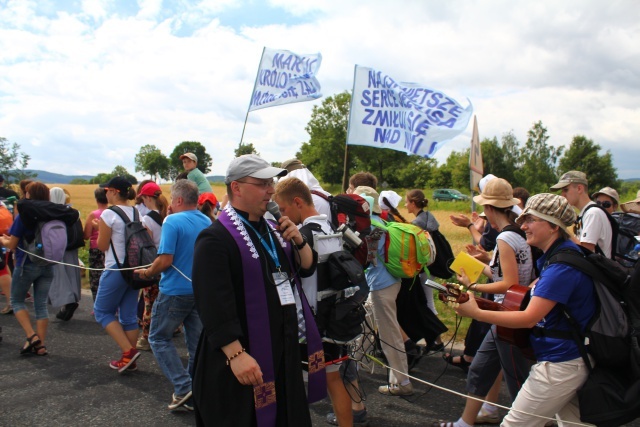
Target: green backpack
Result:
[407, 249]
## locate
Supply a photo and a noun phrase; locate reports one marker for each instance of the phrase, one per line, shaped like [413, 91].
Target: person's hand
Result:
[463, 278]
[469, 308]
[478, 222]
[289, 231]
[246, 369]
[478, 253]
[95, 223]
[460, 220]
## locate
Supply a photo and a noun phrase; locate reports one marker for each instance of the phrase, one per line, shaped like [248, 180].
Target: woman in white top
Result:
[115, 297]
[157, 204]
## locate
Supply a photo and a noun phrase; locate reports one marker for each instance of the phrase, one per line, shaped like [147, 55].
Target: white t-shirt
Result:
[156, 229]
[115, 223]
[523, 258]
[596, 229]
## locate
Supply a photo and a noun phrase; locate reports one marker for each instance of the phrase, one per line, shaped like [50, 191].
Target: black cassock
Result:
[218, 285]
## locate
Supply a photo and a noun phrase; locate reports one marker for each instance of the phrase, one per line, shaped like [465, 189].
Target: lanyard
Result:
[271, 248]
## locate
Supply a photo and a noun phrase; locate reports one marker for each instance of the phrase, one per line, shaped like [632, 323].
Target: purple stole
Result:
[264, 395]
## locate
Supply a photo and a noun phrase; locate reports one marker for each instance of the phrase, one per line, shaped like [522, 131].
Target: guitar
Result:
[516, 299]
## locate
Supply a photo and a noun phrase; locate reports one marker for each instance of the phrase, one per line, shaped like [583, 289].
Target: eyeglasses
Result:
[606, 204]
[262, 184]
[531, 219]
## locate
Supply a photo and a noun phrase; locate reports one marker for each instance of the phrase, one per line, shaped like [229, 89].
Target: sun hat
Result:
[392, 197]
[550, 207]
[251, 165]
[118, 183]
[571, 177]
[363, 190]
[208, 197]
[189, 156]
[292, 164]
[497, 192]
[151, 189]
[608, 191]
[632, 206]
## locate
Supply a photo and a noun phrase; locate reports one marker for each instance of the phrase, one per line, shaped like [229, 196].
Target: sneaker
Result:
[485, 417]
[178, 402]
[125, 361]
[133, 367]
[143, 344]
[359, 418]
[396, 390]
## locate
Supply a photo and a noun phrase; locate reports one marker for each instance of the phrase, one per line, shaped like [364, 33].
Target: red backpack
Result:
[353, 212]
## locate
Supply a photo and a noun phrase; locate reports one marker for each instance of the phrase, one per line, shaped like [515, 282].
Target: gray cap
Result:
[253, 166]
[571, 177]
[608, 191]
[189, 156]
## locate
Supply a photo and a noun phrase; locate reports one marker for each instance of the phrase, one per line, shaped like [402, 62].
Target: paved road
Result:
[74, 386]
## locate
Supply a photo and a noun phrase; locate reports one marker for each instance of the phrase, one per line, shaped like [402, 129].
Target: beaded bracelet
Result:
[234, 356]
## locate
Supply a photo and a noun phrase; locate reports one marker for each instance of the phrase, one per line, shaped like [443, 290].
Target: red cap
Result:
[208, 196]
[151, 189]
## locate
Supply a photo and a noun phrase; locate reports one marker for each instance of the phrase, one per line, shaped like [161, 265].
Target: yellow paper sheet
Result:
[472, 267]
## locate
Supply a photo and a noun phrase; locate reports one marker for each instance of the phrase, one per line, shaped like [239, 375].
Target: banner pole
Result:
[246, 117]
[345, 173]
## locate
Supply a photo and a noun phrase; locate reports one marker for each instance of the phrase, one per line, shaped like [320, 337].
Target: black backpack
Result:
[139, 250]
[628, 228]
[444, 255]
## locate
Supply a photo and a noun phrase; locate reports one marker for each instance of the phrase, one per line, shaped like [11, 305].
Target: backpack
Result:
[139, 249]
[628, 228]
[353, 212]
[48, 244]
[536, 253]
[407, 250]
[614, 229]
[340, 313]
[75, 236]
[155, 216]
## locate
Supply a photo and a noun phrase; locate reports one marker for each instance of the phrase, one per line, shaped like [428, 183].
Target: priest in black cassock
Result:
[247, 368]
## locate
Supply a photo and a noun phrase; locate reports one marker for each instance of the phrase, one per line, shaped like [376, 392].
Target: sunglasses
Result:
[605, 204]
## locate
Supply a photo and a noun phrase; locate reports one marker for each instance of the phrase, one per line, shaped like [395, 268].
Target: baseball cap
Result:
[208, 197]
[292, 164]
[392, 197]
[571, 177]
[189, 156]
[251, 165]
[497, 192]
[118, 183]
[550, 207]
[607, 191]
[151, 189]
[369, 192]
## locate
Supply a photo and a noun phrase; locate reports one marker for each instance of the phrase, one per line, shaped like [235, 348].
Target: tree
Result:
[384, 163]
[454, 172]
[501, 159]
[324, 152]
[538, 162]
[245, 149]
[101, 178]
[13, 162]
[583, 155]
[79, 181]
[204, 159]
[152, 162]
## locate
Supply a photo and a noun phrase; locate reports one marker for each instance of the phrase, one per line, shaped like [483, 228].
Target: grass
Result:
[82, 199]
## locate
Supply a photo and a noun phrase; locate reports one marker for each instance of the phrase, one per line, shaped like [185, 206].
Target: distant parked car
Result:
[448, 194]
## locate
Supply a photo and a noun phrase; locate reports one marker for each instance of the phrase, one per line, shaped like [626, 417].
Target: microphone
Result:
[274, 210]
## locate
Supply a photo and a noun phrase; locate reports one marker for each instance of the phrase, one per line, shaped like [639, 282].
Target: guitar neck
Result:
[486, 304]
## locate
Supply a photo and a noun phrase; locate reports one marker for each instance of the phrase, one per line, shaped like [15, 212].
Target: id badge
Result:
[283, 285]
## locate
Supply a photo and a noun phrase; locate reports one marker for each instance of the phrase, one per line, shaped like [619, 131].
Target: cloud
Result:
[99, 79]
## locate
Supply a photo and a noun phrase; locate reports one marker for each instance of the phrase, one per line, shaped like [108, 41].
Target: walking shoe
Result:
[125, 361]
[396, 390]
[143, 344]
[7, 310]
[178, 403]
[359, 418]
[485, 417]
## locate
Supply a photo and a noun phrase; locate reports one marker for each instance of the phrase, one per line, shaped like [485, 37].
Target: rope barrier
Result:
[83, 267]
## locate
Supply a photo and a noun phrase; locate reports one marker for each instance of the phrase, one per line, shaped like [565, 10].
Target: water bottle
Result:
[634, 253]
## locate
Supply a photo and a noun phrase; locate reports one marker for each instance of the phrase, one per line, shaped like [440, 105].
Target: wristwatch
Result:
[303, 244]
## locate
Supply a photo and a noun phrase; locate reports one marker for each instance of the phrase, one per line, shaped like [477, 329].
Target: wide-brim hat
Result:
[251, 165]
[498, 193]
[549, 207]
[392, 197]
[369, 192]
[631, 207]
[607, 191]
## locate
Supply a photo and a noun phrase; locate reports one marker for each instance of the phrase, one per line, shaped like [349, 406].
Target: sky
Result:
[85, 83]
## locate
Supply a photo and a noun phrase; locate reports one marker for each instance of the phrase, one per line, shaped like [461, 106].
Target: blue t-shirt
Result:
[19, 230]
[571, 287]
[178, 238]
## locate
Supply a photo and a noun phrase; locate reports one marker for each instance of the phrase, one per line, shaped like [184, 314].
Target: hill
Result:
[215, 178]
[56, 178]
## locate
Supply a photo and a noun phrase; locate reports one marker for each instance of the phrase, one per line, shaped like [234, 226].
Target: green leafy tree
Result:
[537, 170]
[454, 172]
[501, 158]
[324, 152]
[384, 163]
[584, 155]
[101, 178]
[13, 162]
[150, 161]
[78, 181]
[204, 159]
[245, 149]
[416, 172]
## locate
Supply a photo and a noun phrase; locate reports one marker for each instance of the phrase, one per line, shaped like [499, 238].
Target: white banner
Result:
[285, 77]
[402, 116]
